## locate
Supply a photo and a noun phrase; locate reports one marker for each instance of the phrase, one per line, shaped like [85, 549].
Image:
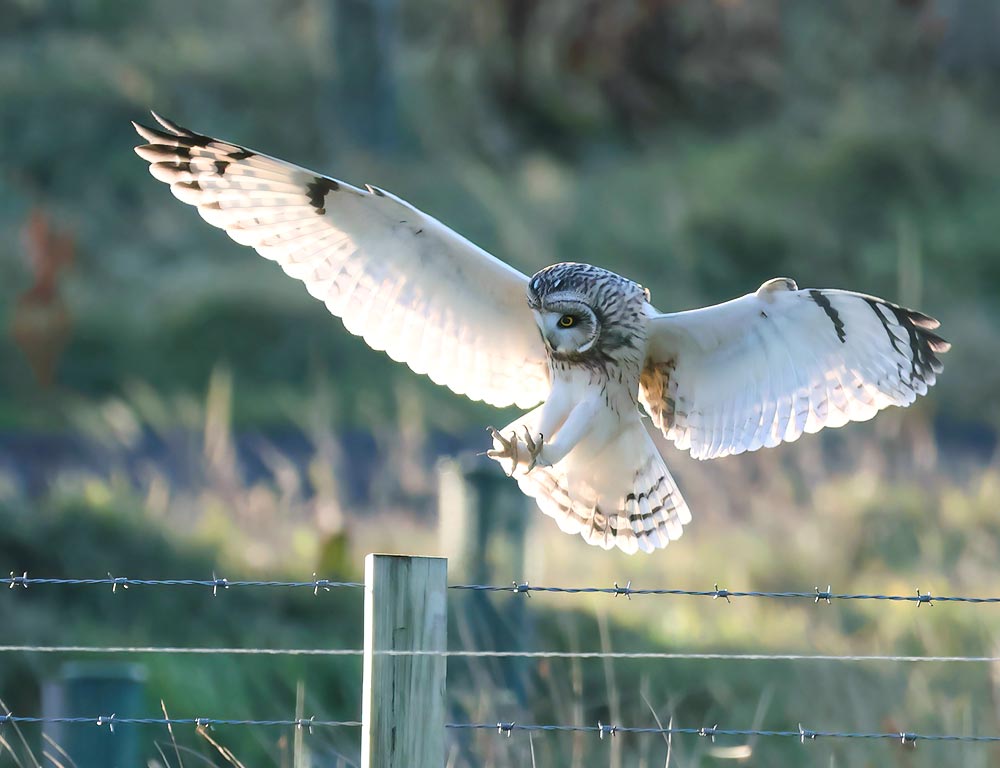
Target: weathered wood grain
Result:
[403, 700]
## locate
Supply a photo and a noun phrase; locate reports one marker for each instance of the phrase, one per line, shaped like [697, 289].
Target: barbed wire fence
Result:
[413, 594]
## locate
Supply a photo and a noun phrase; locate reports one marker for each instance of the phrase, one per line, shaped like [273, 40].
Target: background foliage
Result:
[174, 400]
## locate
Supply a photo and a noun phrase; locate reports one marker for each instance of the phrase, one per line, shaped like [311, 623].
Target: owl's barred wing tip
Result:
[401, 280]
[752, 372]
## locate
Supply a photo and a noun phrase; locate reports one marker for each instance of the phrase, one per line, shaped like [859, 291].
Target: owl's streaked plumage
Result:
[749, 373]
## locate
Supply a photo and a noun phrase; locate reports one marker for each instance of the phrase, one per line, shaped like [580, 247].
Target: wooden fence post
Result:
[403, 699]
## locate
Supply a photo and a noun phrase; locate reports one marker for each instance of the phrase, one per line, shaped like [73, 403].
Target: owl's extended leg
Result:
[528, 449]
[554, 413]
[573, 430]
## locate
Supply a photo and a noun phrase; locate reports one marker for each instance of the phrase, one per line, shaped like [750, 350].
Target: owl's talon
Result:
[516, 450]
[508, 449]
[534, 448]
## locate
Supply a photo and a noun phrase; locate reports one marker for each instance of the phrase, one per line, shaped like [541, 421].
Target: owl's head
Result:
[584, 311]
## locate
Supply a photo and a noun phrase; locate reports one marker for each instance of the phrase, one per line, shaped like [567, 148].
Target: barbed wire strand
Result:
[113, 720]
[507, 728]
[216, 583]
[816, 595]
[650, 655]
[602, 730]
[803, 734]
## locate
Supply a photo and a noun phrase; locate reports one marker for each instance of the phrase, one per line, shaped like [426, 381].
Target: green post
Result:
[97, 689]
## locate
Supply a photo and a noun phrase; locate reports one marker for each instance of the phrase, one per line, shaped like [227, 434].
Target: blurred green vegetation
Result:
[68, 535]
[698, 147]
[883, 519]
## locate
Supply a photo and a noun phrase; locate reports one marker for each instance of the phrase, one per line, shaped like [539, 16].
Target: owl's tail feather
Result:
[615, 494]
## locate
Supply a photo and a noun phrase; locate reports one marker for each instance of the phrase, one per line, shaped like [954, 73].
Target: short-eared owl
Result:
[583, 341]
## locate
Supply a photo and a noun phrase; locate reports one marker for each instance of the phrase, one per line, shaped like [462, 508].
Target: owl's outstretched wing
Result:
[764, 368]
[396, 277]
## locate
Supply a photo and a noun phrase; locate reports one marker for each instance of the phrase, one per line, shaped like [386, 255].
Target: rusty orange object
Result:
[41, 324]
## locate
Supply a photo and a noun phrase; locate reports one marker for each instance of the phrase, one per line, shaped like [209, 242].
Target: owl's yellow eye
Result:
[567, 321]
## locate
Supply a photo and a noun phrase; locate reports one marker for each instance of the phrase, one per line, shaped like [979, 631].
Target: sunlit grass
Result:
[872, 508]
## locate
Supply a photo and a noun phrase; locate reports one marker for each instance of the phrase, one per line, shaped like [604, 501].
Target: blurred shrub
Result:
[699, 147]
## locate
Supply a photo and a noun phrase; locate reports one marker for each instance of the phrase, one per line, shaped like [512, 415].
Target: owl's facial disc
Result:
[568, 327]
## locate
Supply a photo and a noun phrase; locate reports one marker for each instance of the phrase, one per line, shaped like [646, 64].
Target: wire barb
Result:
[108, 720]
[21, 580]
[804, 734]
[710, 732]
[908, 738]
[307, 724]
[522, 589]
[626, 590]
[824, 595]
[218, 582]
[610, 730]
[319, 584]
[505, 728]
[121, 581]
[925, 598]
[722, 593]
